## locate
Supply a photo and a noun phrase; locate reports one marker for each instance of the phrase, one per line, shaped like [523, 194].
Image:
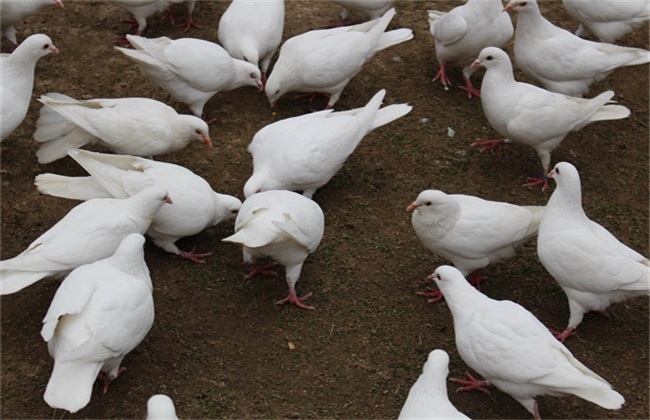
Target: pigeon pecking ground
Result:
[219, 345]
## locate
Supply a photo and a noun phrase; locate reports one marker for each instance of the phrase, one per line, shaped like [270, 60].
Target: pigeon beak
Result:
[260, 87]
[475, 64]
[206, 140]
[59, 3]
[508, 8]
[54, 50]
[168, 200]
[430, 276]
[412, 207]
[272, 104]
[550, 174]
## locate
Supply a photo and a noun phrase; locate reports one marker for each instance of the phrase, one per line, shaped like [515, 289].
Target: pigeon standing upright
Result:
[252, 31]
[303, 153]
[428, 398]
[515, 352]
[325, 60]
[89, 232]
[283, 226]
[196, 206]
[17, 81]
[608, 20]
[533, 116]
[563, 62]
[593, 267]
[15, 11]
[463, 32]
[100, 313]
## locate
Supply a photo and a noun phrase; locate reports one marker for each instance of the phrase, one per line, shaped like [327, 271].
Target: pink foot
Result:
[132, 23]
[192, 256]
[471, 90]
[107, 382]
[311, 96]
[535, 182]
[472, 384]
[262, 269]
[433, 295]
[292, 298]
[487, 145]
[475, 280]
[562, 336]
[208, 121]
[442, 76]
[263, 80]
[189, 23]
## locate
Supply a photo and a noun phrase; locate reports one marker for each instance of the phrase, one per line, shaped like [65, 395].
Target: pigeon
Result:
[15, 11]
[469, 231]
[89, 232]
[17, 81]
[462, 33]
[129, 126]
[593, 267]
[284, 227]
[533, 116]
[196, 206]
[608, 20]
[561, 61]
[514, 351]
[142, 9]
[189, 6]
[428, 398]
[191, 70]
[325, 60]
[100, 313]
[252, 31]
[161, 407]
[371, 8]
[303, 153]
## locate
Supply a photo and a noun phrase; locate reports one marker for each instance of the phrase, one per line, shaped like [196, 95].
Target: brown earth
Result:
[220, 346]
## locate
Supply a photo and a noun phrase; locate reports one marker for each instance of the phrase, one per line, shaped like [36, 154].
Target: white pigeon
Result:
[100, 313]
[533, 116]
[608, 20]
[89, 232]
[325, 60]
[189, 7]
[593, 267]
[462, 33]
[371, 8]
[196, 206]
[428, 398]
[563, 62]
[161, 407]
[469, 231]
[191, 70]
[252, 31]
[282, 226]
[15, 11]
[128, 126]
[514, 351]
[303, 153]
[142, 9]
[17, 81]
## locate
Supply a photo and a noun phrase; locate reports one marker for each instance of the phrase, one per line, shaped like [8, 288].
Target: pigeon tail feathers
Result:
[71, 385]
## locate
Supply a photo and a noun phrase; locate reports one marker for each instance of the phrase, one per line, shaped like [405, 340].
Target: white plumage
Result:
[15, 11]
[428, 398]
[100, 313]
[161, 407]
[371, 8]
[252, 31]
[196, 206]
[513, 351]
[593, 267]
[191, 70]
[608, 20]
[142, 9]
[89, 232]
[326, 60]
[561, 61]
[303, 153]
[17, 81]
[463, 32]
[282, 226]
[533, 116]
[129, 126]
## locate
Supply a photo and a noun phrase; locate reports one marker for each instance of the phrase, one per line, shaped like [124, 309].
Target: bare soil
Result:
[220, 347]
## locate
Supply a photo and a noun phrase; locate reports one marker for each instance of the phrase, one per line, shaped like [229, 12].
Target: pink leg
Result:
[562, 336]
[107, 382]
[169, 14]
[132, 23]
[292, 298]
[475, 280]
[192, 256]
[189, 23]
[211, 121]
[263, 79]
[433, 295]
[442, 75]
[535, 182]
[311, 96]
[471, 90]
[472, 384]
[262, 269]
[487, 145]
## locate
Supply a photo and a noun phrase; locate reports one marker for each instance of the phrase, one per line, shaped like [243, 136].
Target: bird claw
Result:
[192, 256]
[433, 295]
[107, 381]
[535, 182]
[487, 145]
[471, 384]
[263, 269]
[292, 298]
[562, 336]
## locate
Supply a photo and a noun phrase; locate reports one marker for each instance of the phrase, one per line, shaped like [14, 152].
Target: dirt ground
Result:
[220, 347]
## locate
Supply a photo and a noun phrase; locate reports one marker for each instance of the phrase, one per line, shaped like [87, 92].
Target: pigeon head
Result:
[249, 75]
[427, 201]
[453, 285]
[492, 57]
[132, 244]
[161, 407]
[260, 181]
[36, 46]
[275, 86]
[437, 364]
[521, 5]
[196, 129]
[567, 178]
[226, 208]
[156, 195]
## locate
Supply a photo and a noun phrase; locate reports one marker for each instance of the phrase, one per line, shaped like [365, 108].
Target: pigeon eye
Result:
[523, 4]
[557, 171]
[234, 211]
[197, 131]
[489, 58]
[253, 76]
[428, 203]
[46, 46]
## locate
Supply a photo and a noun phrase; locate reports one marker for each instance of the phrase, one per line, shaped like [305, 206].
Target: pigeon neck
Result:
[134, 265]
[462, 299]
[567, 200]
[531, 21]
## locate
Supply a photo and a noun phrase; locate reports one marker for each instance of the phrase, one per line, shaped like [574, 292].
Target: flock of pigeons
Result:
[104, 307]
